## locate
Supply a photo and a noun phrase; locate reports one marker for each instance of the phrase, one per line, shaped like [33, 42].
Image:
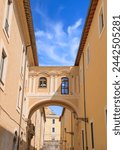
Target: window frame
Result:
[82, 139]
[3, 81]
[88, 55]
[64, 87]
[23, 58]
[53, 130]
[53, 121]
[19, 98]
[103, 20]
[2, 64]
[42, 83]
[7, 18]
[92, 135]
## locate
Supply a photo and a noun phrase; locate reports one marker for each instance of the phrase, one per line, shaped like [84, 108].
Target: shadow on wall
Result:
[62, 86]
[9, 141]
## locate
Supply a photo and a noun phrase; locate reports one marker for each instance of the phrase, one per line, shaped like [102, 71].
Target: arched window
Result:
[43, 82]
[64, 85]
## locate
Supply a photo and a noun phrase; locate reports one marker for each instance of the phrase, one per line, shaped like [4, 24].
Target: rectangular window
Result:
[22, 62]
[53, 130]
[88, 56]
[53, 121]
[106, 114]
[7, 16]
[19, 97]
[82, 139]
[92, 134]
[65, 85]
[2, 65]
[24, 107]
[101, 20]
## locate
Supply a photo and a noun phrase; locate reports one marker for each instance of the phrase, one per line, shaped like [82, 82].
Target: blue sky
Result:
[58, 27]
[56, 109]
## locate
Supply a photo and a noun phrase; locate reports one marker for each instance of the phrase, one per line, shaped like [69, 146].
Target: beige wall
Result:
[95, 81]
[69, 136]
[12, 79]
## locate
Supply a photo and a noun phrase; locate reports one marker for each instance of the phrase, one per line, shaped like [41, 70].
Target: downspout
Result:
[72, 129]
[85, 114]
[23, 90]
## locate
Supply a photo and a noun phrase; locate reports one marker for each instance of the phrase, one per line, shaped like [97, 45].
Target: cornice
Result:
[30, 29]
[51, 73]
[85, 33]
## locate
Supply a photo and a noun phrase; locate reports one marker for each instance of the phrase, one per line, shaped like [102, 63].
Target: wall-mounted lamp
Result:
[81, 119]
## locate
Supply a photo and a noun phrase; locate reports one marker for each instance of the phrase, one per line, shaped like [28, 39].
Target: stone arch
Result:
[35, 106]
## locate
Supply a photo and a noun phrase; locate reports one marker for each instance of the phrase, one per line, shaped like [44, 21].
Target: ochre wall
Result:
[95, 81]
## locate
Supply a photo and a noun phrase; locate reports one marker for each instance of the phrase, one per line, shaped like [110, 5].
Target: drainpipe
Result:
[23, 90]
[72, 130]
[85, 114]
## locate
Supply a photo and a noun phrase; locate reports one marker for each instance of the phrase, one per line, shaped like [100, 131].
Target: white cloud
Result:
[74, 27]
[41, 33]
[58, 44]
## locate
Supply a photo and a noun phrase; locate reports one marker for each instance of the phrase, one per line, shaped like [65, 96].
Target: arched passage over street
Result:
[44, 103]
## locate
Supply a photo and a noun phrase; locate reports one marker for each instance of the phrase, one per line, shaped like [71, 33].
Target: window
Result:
[15, 140]
[23, 61]
[92, 134]
[101, 20]
[19, 97]
[43, 82]
[2, 65]
[65, 85]
[106, 115]
[7, 16]
[53, 121]
[88, 56]
[82, 139]
[53, 130]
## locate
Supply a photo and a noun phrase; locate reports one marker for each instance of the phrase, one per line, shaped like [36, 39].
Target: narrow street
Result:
[53, 54]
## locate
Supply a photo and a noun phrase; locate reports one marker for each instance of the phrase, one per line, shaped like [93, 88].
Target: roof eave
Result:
[31, 29]
[86, 29]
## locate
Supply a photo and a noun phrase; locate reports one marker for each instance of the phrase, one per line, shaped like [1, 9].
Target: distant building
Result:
[52, 130]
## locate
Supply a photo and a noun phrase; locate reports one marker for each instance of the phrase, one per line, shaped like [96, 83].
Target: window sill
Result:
[42, 87]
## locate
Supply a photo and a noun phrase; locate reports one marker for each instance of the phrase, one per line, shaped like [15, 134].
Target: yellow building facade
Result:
[92, 62]
[26, 89]
[52, 130]
[17, 52]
